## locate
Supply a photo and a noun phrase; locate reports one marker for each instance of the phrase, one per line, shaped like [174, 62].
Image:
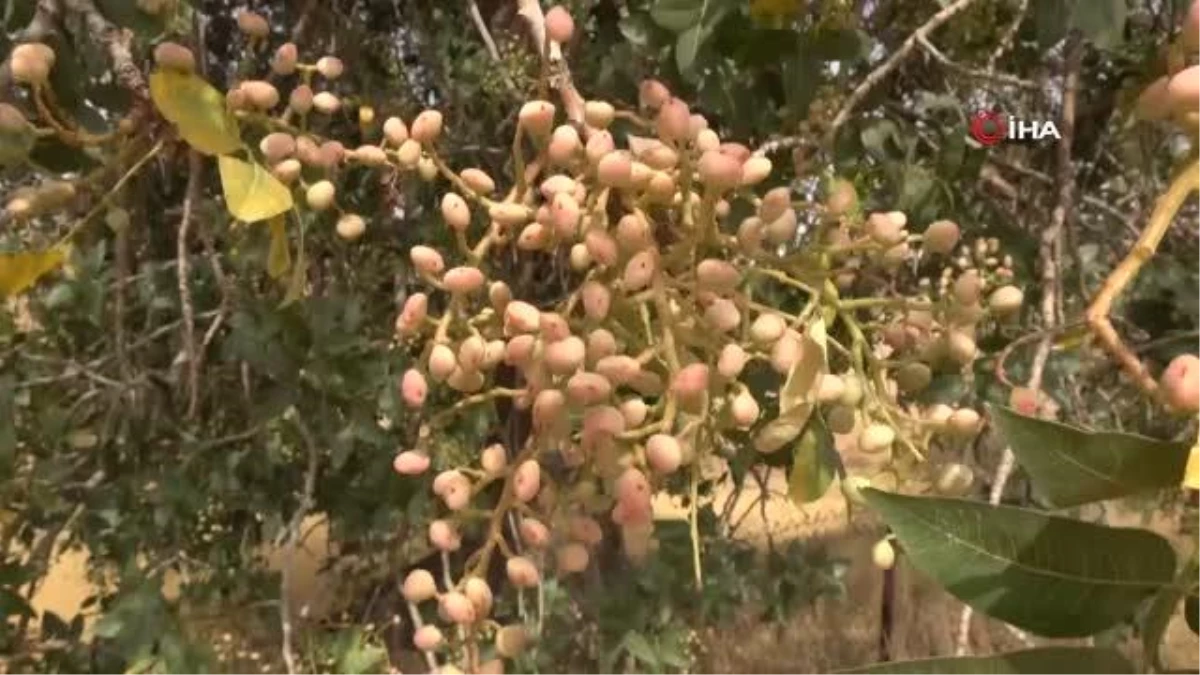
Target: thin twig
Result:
[1006, 40]
[293, 541]
[1050, 255]
[489, 42]
[185, 292]
[990, 74]
[883, 70]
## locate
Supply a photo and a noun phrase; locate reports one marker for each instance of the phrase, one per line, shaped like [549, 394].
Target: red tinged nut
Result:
[1181, 384]
[572, 558]
[1153, 103]
[755, 170]
[537, 118]
[427, 127]
[672, 123]
[600, 343]
[455, 212]
[691, 381]
[427, 260]
[413, 388]
[640, 270]
[442, 363]
[427, 638]
[564, 145]
[260, 94]
[774, 203]
[527, 481]
[330, 67]
[601, 247]
[522, 573]
[411, 463]
[548, 408]
[559, 24]
[419, 586]
[603, 421]
[717, 276]
[1024, 400]
[521, 317]
[254, 25]
[652, 94]
[722, 315]
[457, 608]
[175, 56]
[663, 453]
[285, 59]
[493, 458]
[534, 533]
[588, 388]
[471, 352]
[731, 361]
[480, 595]
[565, 356]
[618, 368]
[277, 146]
[444, 536]
[1183, 90]
[597, 300]
[744, 409]
[301, 99]
[31, 62]
[463, 280]
[719, 171]
[941, 237]
[615, 170]
[598, 114]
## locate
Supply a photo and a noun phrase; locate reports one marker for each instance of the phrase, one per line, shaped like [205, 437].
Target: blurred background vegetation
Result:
[99, 450]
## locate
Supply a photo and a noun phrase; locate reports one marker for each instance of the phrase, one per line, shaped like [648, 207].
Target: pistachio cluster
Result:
[643, 372]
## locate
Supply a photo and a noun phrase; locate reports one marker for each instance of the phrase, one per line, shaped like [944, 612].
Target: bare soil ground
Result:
[832, 634]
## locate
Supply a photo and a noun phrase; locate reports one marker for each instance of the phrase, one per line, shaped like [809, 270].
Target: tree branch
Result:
[883, 70]
[293, 540]
[531, 10]
[1050, 256]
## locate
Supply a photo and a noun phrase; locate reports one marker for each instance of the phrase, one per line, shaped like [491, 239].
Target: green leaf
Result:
[1051, 20]
[636, 28]
[1050, 575]
[814, 465]
[1101, 21]
[640, 649]
[197, 109]
[17, 137]
[1071, 466]
[360, 657]
[687, 46]
[19, 271]
[678, 15]
[1191, 612]
[876, 136]
[1158, 616]
[109, 626]
[251, 192]
[1042, 660]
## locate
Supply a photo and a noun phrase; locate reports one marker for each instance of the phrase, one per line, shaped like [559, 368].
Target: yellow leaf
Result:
[1191, 474]
[279, 259]
[803, 378]
[251, 192]
[197, 109]
[19, 271]
[796, 396]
